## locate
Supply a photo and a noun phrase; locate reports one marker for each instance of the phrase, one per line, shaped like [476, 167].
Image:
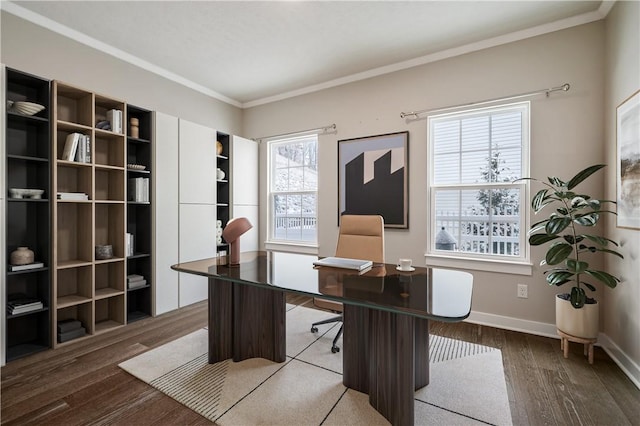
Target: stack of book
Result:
[115, 118]
[70, 329]
[34, 265]
[73, 196]
[138, 190]
[22, 304]
[135, 281]
[77, 147]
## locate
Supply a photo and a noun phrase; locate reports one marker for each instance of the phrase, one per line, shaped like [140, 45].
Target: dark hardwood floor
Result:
[82, 384]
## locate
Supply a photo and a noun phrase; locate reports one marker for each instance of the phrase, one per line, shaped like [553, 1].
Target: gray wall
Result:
[566, 136]
[622, 305]
[34, 49]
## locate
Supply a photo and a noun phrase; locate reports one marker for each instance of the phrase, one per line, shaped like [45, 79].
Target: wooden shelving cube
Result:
[74, 234]
[74, 286]
[109, 184]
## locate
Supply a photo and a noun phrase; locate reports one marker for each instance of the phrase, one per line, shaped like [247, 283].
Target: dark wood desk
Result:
[386, 318]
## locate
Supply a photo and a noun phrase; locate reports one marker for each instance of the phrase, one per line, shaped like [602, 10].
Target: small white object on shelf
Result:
[136, 166]
[26, 108]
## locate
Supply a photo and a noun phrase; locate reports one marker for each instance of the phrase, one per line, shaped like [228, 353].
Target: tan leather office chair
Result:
[360, 237]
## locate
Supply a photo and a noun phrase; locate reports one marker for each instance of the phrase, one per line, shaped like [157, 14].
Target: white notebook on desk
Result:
[345, 263]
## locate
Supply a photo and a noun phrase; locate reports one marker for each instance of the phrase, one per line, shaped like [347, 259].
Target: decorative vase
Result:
[219, 148]
[104, 252]
[21, 256]
[134, 129]
[582, 322]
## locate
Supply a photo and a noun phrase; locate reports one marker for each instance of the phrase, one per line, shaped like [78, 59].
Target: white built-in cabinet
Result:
[244, 191]
[166, 232]
[186, 162]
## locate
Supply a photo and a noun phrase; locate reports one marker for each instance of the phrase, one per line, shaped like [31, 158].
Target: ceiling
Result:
[248, 53]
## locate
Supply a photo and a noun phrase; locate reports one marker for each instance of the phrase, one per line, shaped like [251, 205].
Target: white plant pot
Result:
[583, 322]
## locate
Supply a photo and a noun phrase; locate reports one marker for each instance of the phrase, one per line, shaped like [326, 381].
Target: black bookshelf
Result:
[223, 190]
[139, 213]
[28, 156]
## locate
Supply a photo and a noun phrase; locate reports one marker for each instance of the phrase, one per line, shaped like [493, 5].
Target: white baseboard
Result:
[514, 324]
[626, 364]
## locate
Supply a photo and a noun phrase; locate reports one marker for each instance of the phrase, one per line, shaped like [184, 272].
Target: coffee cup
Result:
[404, 264]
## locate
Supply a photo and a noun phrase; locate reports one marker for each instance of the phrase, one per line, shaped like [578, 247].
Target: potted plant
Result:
[571, 244]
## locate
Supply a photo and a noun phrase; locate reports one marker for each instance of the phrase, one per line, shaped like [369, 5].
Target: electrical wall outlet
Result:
[523, 291]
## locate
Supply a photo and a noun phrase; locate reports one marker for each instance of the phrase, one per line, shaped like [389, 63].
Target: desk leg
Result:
[220, 320]
[387, 356]
[259, 323]
[246, 322]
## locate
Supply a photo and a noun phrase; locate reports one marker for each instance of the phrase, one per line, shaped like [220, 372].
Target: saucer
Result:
[411, 269]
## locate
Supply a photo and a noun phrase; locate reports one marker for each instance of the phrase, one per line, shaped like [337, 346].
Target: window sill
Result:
[291, 247]
[488, 265]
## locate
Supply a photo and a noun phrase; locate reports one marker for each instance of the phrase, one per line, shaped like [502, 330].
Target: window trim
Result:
[520, 265]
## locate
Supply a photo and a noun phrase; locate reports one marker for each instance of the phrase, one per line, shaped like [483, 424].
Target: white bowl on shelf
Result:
[35, 194]
[26, 108]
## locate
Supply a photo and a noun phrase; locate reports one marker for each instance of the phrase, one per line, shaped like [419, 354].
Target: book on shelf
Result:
[68, 325]
[129, 242]
[34, 265]
[70, 146]
[73, 196]
[71, 334]
[115, 118]
[138, 190]
[19, 304]
[83, 152]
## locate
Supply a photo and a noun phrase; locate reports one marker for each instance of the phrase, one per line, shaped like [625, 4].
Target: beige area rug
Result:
[467, 384]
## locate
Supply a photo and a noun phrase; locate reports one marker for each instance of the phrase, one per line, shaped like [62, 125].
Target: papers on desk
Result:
[344, 263]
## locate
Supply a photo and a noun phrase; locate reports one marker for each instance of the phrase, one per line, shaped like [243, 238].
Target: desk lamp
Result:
[232, 232]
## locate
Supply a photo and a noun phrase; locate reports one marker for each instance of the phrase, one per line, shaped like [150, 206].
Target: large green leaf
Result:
[603, 241]
[587, 219]
[605, 277]
[538, 239]
[540, 200]
[583, 174]
[578, 297]
[558, 252]
[555, 181]
[577, 266]
[613, 252]
[558, 278]
[557, 224]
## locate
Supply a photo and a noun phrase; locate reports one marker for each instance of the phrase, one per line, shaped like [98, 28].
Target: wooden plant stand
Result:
[588, 344]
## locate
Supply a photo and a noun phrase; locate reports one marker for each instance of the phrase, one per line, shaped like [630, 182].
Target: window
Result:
[293, 187]
[476, 210]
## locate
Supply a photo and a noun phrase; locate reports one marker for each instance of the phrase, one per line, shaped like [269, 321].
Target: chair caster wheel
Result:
[335, 349]
[314, 329]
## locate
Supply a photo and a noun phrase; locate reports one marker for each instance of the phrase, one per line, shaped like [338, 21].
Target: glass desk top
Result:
[433, 293]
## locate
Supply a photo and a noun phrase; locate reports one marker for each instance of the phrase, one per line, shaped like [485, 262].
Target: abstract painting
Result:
[628, 135]
[373, 177]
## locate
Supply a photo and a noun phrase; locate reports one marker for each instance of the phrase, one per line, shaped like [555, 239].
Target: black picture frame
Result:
[373, 177]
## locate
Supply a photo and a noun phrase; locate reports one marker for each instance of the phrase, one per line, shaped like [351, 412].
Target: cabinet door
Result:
[244, 156]
[166, 212]
[197, 241]
[197, 163]
[250, 240]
